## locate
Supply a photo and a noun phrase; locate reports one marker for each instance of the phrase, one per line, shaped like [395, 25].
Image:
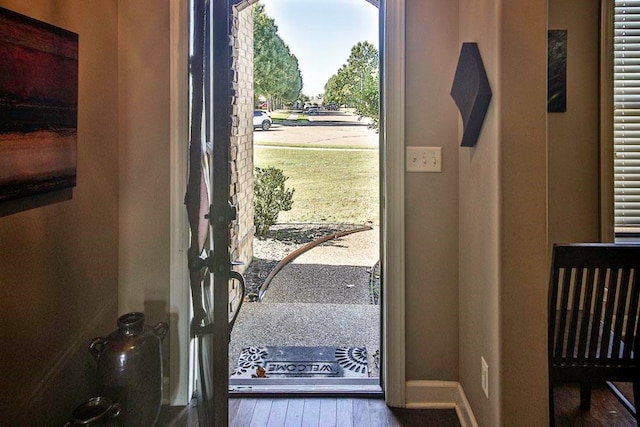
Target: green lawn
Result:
[307, 145]
[337, 186]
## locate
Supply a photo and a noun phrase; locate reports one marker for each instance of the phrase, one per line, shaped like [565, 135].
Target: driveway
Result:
[327, 129]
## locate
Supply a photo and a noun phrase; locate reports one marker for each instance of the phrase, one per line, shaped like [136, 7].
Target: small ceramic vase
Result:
[130, 368]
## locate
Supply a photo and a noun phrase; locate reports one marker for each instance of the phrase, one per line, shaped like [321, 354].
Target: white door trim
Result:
[393, 239]
[179, 389]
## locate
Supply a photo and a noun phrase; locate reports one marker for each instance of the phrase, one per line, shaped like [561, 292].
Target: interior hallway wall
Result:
[503, 218]
[573, 136]
[431, 199]
[144, 154]
[479, 227]
[523, 175]
[59, 263]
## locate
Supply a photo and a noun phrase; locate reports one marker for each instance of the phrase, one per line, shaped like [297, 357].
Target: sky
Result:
[321, 33]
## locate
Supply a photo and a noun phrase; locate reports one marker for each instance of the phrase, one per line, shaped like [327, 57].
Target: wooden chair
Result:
[594, 294]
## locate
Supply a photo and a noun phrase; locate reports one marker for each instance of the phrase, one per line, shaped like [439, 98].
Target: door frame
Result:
[392, 20]
[181, 377]
[392, 26]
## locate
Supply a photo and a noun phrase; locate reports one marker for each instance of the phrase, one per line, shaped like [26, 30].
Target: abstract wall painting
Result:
[38, 107]
[557, 71]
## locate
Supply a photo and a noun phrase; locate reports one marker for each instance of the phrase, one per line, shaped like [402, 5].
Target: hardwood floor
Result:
[606, 410]
[320, 412]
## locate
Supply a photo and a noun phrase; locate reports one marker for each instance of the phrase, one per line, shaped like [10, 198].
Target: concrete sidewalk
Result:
[319, 299]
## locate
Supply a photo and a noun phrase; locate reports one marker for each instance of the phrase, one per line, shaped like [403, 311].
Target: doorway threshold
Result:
[305, 387]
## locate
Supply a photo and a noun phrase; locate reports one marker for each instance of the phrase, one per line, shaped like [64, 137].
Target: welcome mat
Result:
[305, 362]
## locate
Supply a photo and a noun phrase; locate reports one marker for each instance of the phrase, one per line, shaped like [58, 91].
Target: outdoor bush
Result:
[270, 198]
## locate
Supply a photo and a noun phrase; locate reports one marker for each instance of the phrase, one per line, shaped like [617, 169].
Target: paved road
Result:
[333, 129]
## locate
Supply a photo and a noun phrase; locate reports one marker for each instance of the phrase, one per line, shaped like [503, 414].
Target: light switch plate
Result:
[424, 159]
[484, 376]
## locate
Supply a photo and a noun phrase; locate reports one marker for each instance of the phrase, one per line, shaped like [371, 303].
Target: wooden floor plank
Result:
[447, 418]
[344, 411]
[378, 411]
[261, 413]
[311, 415]
[278, 414]
[392, 420]
[178, 416]
[234, 404]
[328, 413]
[361, 416]
[605, 408]
[295, 409]
[245, 413]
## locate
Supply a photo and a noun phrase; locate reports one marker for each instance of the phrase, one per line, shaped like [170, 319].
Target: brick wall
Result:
[241, 190]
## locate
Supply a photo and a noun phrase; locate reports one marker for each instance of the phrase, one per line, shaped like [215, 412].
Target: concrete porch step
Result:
[321, 284]
[300, 324]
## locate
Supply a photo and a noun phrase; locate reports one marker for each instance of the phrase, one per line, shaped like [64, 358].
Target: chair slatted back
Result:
[594, 305]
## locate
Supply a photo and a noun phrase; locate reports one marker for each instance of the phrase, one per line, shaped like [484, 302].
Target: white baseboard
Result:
[440, 395]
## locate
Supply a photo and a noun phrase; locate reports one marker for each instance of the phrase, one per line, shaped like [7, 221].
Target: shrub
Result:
[270, 197]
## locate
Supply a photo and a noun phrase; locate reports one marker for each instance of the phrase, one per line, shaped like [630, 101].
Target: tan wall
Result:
[144, 132]
[523, 275]
[431, 209]
[503, 241]
[59, 263]
[574, 136]
[479, 228]
[144, 69]
[503, 228]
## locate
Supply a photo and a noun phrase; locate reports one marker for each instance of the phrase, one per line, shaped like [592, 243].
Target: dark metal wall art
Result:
[471, 92]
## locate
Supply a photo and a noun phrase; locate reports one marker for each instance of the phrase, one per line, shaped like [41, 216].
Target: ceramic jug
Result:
[130, 368]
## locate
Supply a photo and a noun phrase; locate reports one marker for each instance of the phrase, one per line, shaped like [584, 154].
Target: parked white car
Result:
[261, 120]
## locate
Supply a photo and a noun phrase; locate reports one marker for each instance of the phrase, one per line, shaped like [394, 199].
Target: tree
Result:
[337, 90]
[276, 74]
[357, 82]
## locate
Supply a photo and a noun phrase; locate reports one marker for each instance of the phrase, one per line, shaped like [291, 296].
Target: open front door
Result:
[209, 211]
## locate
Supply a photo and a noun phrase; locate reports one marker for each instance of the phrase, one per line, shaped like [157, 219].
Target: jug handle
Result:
[161, 329]
[115, 409]
[97, 346]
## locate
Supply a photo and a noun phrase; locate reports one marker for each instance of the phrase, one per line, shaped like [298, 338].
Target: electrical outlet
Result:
[484, 380]
[424, 159]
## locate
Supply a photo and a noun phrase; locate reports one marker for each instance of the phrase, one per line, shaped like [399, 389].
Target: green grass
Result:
[307, 145]
[337, 186]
